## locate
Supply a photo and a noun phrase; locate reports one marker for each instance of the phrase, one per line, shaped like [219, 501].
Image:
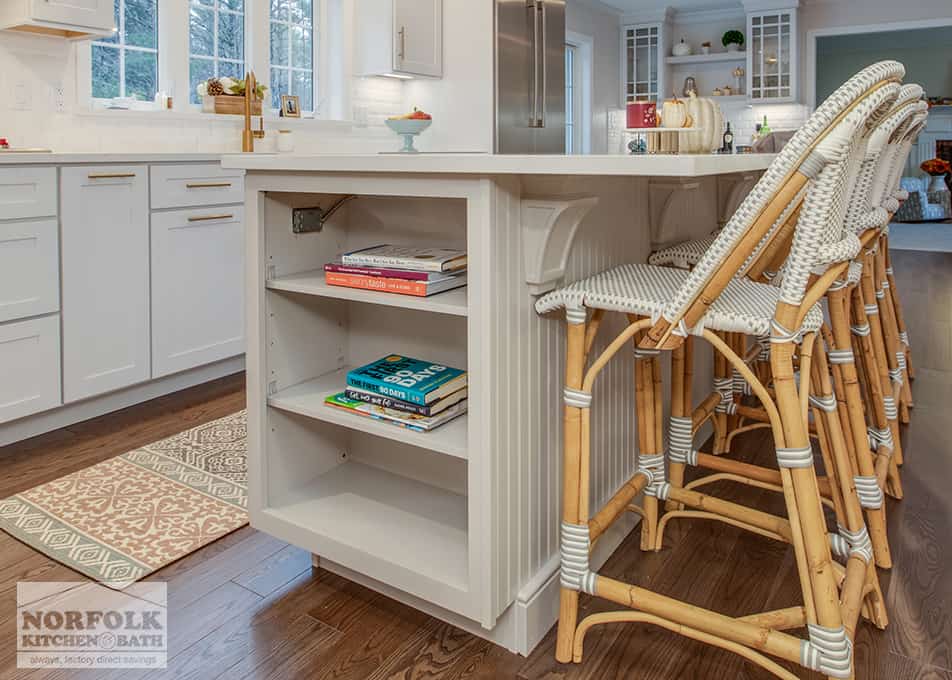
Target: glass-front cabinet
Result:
[642, 47]
[772, 56]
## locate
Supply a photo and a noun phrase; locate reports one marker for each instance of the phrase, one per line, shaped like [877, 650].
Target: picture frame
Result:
[290, 106]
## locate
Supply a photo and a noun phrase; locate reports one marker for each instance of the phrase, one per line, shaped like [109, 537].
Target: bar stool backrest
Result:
[796, 163]
[867, 209]
[886, 183]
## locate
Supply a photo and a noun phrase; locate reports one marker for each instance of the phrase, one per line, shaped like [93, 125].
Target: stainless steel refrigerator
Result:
[530, 76]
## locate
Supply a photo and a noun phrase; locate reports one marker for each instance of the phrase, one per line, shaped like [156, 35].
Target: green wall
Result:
[926, 53]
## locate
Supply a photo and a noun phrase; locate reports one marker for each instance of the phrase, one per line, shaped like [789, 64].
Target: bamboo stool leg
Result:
[852, 541]
[648, 412]
[737, 343]
[571, 491]
[886, 429]
[821, 596]
[723, 384]
[895, 353]
[865, 480]
[680, 432]
[897, 305]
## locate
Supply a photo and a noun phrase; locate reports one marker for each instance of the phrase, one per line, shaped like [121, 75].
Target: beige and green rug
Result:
[122, 519]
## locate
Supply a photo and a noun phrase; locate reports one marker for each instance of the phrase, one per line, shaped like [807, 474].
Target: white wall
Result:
[31, 67]
[603, 26]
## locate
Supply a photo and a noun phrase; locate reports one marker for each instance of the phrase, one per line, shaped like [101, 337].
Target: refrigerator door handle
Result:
[545, 61]
[531, 5]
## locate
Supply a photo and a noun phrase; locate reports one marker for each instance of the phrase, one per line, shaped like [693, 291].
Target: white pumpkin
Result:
[673, 113]
[707, 118]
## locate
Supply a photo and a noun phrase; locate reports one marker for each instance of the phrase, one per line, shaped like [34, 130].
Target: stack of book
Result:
[399, 269]
[417, 395]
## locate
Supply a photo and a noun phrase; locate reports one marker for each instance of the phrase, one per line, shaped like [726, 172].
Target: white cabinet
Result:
[66, 18]
[30, 366]
[772, 55]
[400, 37]
[642, 50]
[27, 192]
[29, 268]
[105, 253]
[197, 287]
[187, 185]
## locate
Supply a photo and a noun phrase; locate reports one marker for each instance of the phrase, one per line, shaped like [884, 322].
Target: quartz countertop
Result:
[85, 157]
[494, 164]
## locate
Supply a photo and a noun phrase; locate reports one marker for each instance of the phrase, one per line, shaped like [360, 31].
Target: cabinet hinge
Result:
[272, 388]
[271, 272]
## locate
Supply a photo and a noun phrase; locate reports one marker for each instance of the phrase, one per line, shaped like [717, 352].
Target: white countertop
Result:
[9, 158]
[493, 164]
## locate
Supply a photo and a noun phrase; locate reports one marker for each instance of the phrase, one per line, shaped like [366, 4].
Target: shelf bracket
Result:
[311, 220]
[664, 197]
[548, 230]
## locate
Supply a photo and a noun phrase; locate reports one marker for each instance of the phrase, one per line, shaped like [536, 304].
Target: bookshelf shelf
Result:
[390, 523]
[313, 283]
[307, 399]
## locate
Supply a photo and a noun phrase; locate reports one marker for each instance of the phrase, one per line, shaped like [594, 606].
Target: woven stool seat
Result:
[744, 306]
[683, 255]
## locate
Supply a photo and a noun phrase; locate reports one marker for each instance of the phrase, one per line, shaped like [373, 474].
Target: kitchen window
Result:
[216, 41]
[127, 64]
[292, 51]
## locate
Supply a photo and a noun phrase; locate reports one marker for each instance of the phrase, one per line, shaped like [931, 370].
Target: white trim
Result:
[585, 66]
[812, 35]
[767, 6]
[704, 16]
[600, 6]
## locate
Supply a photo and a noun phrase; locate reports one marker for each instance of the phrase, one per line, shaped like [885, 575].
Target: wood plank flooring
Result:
[250, 606]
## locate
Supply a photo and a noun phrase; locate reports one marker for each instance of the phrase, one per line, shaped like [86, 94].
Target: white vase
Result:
[937, 183]
[732, 47]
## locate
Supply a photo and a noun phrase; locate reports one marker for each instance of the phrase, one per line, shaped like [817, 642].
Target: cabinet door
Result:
[772, 56]
[29, 268]
[82, 13]
[418, 37]
[641, 47]
[105, 254]
[197, 287]
[30, 366]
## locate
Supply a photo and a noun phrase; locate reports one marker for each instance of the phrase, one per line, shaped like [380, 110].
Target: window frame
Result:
[315, 54]
[121, 46]
[215, 59]
[174, 50]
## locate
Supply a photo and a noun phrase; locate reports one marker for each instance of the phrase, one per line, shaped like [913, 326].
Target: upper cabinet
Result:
[772, 55]
[642, 47]
[76, 19]
[400, 37]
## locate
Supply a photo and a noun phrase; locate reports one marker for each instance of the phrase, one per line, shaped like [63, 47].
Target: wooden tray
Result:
[229, 104]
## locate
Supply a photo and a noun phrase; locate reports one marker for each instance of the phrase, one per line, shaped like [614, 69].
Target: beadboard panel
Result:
[528, 364]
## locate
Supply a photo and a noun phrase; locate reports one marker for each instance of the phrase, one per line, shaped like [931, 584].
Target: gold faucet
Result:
[251, 96]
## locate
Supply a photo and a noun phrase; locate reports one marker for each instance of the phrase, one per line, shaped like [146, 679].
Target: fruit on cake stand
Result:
[409, 126]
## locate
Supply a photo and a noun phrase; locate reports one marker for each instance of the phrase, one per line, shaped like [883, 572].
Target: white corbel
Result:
[548, 230]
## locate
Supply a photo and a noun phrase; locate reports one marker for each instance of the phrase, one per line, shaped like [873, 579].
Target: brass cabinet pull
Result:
[207, 185]
[203, 218]
[110, 175]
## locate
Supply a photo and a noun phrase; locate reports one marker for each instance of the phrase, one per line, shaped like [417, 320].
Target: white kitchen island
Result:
[461, 522]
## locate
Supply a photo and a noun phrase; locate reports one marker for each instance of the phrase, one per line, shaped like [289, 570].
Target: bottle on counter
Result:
[764, 128]
[727, 145]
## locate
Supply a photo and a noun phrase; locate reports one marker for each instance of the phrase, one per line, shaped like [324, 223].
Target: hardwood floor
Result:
[250, 606]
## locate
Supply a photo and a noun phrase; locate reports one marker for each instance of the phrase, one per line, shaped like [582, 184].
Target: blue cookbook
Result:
[412, 380]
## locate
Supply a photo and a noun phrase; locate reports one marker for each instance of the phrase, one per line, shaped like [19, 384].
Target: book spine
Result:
[388, 402]
[401, 286]
[373, 271]
[378, 387]
[356, 259]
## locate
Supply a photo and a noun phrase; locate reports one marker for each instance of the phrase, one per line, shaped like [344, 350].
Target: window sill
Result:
[199, 116]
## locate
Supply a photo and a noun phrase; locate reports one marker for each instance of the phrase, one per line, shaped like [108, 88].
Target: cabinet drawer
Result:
[30, 366]
[183, 186]
[29, 268]
[197, 288]
[27, 192]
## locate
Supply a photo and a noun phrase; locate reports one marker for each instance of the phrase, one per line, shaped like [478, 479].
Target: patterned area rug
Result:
[122, 519]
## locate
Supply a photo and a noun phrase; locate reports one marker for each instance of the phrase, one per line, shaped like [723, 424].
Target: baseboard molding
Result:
[62, 416]
[536, 609]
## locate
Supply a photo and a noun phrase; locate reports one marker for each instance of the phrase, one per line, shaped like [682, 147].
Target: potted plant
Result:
[706, 47]
[937, 169]
[732, 40]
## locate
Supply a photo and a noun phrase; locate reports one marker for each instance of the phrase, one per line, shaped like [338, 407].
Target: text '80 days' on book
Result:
[407, 379]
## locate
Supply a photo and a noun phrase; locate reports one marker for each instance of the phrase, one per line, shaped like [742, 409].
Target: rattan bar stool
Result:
[665, 307]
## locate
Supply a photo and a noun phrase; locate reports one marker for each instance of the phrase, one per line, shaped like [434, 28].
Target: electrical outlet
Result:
[58, 97]
[22, 96]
